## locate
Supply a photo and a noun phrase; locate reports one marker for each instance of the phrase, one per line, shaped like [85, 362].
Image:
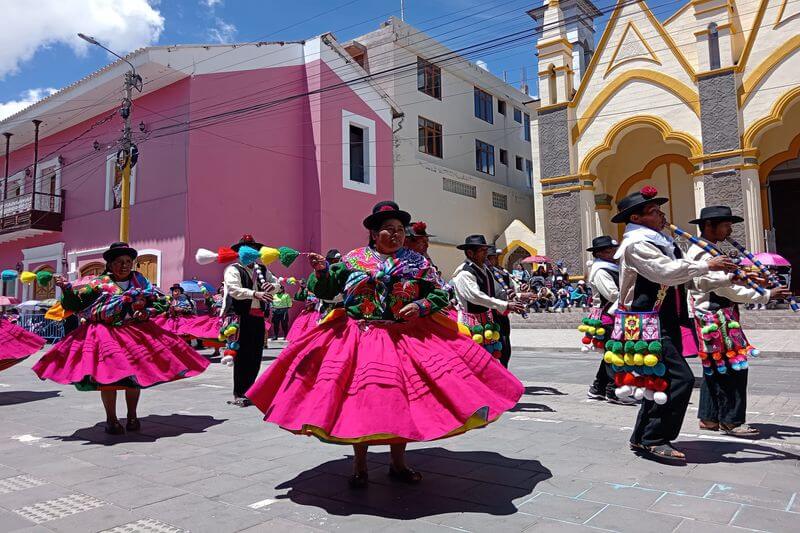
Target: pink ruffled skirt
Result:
[203, 327]
[176, 325]
[352, 382]
[137, 355]
[306, 319]
[16, 344]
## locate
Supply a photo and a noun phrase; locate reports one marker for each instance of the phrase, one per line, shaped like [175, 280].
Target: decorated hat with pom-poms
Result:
[634, 201]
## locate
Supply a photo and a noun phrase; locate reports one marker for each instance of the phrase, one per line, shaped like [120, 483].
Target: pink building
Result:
[286, 141]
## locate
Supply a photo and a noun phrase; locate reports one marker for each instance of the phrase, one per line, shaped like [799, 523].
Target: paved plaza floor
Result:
[557, 462]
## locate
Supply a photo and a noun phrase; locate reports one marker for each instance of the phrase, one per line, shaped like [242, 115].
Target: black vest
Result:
[485, 283]
[673, 313]
[242, 307]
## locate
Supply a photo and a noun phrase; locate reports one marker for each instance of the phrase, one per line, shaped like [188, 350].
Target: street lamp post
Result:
[124, 156]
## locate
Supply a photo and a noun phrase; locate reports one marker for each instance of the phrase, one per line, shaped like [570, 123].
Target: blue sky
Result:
[40, 53]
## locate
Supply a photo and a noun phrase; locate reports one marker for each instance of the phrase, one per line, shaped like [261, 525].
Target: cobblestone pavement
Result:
[557, 462]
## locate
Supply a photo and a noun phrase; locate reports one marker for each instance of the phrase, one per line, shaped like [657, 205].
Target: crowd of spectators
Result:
[552, 289]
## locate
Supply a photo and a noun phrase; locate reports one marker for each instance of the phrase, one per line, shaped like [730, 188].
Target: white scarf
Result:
[638, 233]
[602, 264]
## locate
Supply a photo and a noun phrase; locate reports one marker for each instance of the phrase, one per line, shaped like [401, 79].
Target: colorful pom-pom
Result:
[600, 332]
[650, 360]
[638, 359]
[27, 278]
[477, 329]
[630, 347]
[248, 255]
[287, 255]
[640, 346]
[478, 338]
[655, 348]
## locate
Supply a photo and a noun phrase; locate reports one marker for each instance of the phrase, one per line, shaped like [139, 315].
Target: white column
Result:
[753, 216]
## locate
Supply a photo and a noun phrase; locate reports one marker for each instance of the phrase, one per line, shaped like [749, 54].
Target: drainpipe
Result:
[36, 123]
[7, 135]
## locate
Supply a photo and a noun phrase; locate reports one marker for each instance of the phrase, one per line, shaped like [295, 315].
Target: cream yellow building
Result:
[704, 106]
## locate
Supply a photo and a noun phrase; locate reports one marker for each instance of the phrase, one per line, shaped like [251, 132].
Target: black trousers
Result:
[248, 359]
[723, 397]
[604, 380]
[280, 318]
[505, 337]
[660, 424]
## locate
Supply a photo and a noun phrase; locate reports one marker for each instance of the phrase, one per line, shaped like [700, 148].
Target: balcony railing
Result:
[32, 211]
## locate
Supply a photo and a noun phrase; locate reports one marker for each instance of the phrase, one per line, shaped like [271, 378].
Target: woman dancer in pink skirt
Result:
[179, 314]
[389, 369]
[16, 343]
[117, 348]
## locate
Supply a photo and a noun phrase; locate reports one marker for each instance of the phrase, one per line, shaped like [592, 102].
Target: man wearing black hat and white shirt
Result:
[505, 288]
[652, 277]
[723, 396]
[604, 280]
[248, 290]
[474, 285]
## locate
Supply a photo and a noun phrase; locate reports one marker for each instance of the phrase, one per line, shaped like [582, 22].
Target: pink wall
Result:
[275, 172]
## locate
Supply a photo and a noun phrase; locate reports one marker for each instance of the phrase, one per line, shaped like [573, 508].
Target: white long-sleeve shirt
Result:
[719, 283]
[234, 288]
[467, 291]
[604, 284]
[643, 258]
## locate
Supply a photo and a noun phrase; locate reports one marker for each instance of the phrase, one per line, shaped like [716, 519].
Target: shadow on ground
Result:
[543, 391]
[25, 396]
[523, 407]
[708, 452]
[154, 427]
[777, 431]
[455, 482]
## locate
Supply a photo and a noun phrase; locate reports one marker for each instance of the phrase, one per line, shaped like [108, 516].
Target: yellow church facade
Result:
[704, 106]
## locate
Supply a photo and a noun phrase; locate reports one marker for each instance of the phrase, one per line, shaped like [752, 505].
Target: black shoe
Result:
[240, 402]
[359, 481]
[114, 428]
[406, 475]
[595, 394]
[133, 424]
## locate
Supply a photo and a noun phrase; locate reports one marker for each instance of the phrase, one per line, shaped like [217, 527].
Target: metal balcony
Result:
[27, 215]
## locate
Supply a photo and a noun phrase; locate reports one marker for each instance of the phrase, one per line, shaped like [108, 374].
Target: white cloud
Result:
[122, 25]
[222, 32]
[29, 97]
[211, 4]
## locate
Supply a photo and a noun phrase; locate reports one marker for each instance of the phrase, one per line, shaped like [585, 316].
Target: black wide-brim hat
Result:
[474, 241]
[247, 240]
[118, 249]
[602, 243]
[496, 252]
[631, 203]
[178, 287]
[385, 211]
[332, 254]
[418, 229]
[718, 213]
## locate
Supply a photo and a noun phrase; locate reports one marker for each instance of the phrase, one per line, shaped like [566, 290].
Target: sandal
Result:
[661, 451]
[708, 425]
[239, 402]
[359, 480]
[114, 428]
[406, 475]
[742, 430]
[133, 424]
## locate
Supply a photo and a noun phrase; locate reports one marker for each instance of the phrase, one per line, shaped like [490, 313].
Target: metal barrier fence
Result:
[51, 330]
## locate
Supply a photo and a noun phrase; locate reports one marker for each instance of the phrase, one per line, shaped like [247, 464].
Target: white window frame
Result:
[42, 254]
[38, 184]
[370, 167]
[109, 198]
[21, 205]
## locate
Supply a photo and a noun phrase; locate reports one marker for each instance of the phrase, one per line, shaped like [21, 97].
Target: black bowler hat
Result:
[384, 211]
[474, 241]
[717, 213]
[247, 240]
[333, 255]
[118, 249]
[601, 243]
[631, 203]
[494, 252]
[176, 286]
